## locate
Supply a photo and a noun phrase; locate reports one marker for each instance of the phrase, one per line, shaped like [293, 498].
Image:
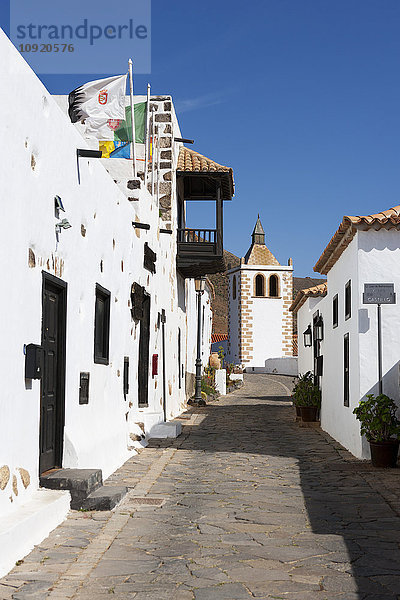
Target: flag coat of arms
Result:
[100, 99]
[115, 135]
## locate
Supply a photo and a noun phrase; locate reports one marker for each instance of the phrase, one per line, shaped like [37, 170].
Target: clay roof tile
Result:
[313, 292]
[386, 219]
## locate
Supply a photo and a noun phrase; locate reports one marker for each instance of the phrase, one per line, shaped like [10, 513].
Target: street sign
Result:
[379, 293]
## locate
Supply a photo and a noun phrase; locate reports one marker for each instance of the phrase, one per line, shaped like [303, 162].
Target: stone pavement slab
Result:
[245, 504]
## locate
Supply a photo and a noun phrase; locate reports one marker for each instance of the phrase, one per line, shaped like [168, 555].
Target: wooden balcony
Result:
[200, 252]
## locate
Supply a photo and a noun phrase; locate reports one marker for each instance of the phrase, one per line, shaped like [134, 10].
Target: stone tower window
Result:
[273, 285]
[234, 287]
[260, 285]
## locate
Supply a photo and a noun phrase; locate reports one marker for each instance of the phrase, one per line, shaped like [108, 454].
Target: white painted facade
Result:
[39, 161]
[371, 257]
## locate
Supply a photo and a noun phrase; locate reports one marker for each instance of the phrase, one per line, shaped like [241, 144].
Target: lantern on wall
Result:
[319, 328]
[307, 335]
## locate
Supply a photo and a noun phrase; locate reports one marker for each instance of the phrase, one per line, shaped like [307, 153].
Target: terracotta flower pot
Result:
[298, 411]
[309, 413]
[214, 360]
[384, 454]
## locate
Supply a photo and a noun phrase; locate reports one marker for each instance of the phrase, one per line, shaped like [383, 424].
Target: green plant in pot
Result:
[381, 427]
[307, 397]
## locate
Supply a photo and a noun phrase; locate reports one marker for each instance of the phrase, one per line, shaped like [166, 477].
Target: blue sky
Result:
[300, 97]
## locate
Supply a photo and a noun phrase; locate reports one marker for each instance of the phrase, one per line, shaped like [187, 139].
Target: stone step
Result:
[80, 482]
[104, 498]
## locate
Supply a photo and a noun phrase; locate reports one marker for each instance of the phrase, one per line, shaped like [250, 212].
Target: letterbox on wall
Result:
[84, 379]
[154, 369]
[33, 361]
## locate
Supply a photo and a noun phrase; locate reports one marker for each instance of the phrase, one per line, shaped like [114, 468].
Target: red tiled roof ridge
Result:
[312, 292]
[347, 230]
[190, 160]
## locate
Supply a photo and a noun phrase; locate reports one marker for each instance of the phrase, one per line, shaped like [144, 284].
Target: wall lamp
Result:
[58, 205]
[64, 224]
[307, 335]
[319, 328]
[200, 284]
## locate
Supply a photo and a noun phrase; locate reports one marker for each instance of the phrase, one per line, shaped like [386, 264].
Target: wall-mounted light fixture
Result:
[58, 205]
[64, 224]
[319, 329]
[307, 335]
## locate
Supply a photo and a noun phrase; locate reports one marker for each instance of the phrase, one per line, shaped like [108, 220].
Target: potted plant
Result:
[381, 427]
[307, 397]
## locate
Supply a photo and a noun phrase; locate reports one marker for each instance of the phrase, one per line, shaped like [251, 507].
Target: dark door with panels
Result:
[54, 295]
[144, 356]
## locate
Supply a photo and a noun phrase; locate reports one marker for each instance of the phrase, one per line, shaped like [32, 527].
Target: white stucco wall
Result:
[379, 262]
[39, 162]
[305, 359]
[371, 257]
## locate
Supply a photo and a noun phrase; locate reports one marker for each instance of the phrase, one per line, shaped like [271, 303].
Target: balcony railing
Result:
[199, 236]
[200, 252]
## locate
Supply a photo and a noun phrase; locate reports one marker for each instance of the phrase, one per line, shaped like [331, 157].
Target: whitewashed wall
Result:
[304, 319]
[38, 162]
[379, 262]
[338, 420]
[371, 257]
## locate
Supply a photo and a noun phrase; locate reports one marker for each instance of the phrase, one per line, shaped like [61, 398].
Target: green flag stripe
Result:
[124, 132]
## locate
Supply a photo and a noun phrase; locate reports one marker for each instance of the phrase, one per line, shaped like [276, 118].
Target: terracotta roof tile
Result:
[190, 161]
[312, 292]
[387, 219]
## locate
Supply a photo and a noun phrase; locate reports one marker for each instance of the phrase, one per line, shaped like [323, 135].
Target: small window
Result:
[273, 285]
[347, 300]
[335, 311]
[260, 285]
[102, 325]
[234, 287]
[346, 371]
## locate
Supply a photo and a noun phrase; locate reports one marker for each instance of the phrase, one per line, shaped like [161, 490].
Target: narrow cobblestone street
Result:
[246, 503]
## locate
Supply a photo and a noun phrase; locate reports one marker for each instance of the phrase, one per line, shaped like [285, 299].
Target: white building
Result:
[365, 249]
[97, 274]
[260, 325]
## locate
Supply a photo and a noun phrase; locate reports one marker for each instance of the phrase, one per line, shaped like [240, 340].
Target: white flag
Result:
[100, 99]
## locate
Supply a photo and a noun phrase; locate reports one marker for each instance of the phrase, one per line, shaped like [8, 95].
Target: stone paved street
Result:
[245, 504]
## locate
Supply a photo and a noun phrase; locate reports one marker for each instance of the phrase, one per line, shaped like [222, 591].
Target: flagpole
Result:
[132, 118]
[146, 141]
[153, 131]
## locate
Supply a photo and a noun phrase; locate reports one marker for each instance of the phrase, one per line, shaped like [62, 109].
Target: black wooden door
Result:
[143, 366]
[52, 387]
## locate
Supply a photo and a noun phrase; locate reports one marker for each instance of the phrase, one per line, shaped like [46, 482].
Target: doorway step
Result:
[29, 524]
[86, 488]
